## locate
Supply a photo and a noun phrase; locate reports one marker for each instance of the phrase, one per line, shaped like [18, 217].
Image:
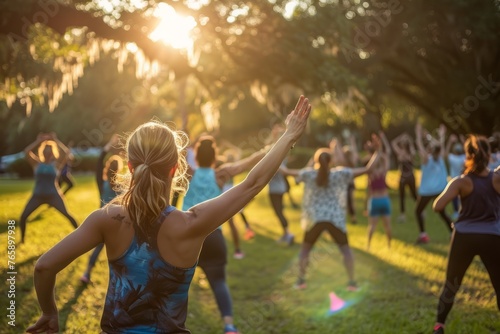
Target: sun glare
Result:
[173, 29]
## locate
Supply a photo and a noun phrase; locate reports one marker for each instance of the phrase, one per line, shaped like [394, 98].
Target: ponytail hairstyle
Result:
[157, 168]
[206, 151]
[477, 154]
[322, 159]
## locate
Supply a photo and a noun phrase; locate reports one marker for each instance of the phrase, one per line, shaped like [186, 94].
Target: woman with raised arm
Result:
[278, 186]
[208, 182]
[405, 153]
[324, 206]
[153, 248]
[379, 203]
[433, 179]
[477, 229]
[47, 165]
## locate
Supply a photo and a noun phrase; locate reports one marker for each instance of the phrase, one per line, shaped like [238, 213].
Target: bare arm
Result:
[451, 191]
[396, 144]
[64, 151]
[354, 150]
[442, 139]
[368, 168]
[83, 239]
[387, 146]
[338, 157]
[32, 158]
[229, 170]
[420, 146]
[452, 140]
[203, 218]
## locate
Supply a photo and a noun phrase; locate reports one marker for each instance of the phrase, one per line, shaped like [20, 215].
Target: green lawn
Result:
[399, 287]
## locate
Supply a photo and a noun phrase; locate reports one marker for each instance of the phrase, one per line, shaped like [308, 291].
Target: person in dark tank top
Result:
[477, 229]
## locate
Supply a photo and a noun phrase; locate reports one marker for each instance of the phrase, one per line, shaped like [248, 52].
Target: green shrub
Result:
[21, 167]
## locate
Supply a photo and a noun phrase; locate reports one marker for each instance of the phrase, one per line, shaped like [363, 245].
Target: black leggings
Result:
[213, 259]
[277, 202]
[463, 249]
[350, 199]
[422, 202]
[408, 181]
[68, 179]
[35, 201]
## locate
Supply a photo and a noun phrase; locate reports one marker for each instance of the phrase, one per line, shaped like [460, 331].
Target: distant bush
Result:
[299, 157]
[21, 167]
[84, 163]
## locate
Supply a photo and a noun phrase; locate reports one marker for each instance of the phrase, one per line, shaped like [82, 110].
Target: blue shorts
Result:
[379, 206]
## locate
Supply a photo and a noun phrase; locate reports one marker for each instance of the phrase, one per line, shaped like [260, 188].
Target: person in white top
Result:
[324, 206]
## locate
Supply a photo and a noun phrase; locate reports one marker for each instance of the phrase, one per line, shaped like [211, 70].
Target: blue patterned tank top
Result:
[145, 293]
[45, 180]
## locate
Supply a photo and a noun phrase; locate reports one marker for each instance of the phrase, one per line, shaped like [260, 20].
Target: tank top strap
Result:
[164, 214]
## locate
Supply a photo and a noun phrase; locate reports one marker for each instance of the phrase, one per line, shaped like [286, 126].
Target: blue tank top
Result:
[434, 177]
[203, 186]
[108, 194]
[45, 180]
[480, 211]
[145, 293]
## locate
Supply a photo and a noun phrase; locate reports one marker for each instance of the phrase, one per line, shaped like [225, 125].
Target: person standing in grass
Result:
[152, 248]
[66, 176]
[477, 229]
[47, 164]
[238, 254]
[433, 179]
[105, 178]
[208, 182]
[379, 203]
[278, 186]
[405, 153]
[324, 206]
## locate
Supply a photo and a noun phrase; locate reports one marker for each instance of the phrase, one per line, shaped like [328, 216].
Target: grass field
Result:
[399, 286]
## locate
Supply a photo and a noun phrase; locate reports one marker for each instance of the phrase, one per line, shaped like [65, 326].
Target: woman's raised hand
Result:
[297, 119]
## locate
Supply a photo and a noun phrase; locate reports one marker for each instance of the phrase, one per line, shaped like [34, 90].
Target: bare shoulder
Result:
[113, 214]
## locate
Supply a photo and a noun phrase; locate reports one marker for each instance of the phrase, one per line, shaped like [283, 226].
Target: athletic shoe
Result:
[438, 329]
[85, 279]
[352, 286]
[423, 239]
[287, 239]
[300, 285]
[249, 234]
[238, 255]
[230, 329]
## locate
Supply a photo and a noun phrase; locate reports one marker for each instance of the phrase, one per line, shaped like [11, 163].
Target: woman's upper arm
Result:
[205, 217]
[451, 191]
[87, 236]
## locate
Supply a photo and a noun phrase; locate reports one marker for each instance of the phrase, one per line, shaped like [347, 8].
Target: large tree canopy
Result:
[354, 57]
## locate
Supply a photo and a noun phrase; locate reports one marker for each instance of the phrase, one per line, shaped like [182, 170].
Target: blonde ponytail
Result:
[153, 151]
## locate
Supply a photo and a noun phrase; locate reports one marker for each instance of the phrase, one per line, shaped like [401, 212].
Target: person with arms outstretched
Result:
[47, 165]
[153, 248]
